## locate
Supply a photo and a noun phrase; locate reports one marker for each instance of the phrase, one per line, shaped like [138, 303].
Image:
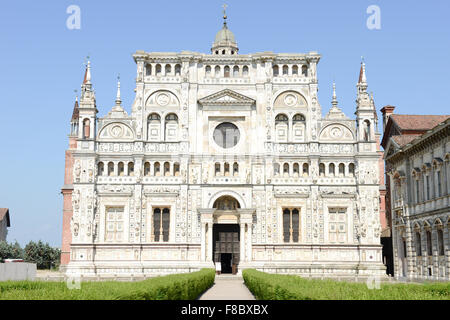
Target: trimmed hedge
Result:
[187, 286]
[266, 286]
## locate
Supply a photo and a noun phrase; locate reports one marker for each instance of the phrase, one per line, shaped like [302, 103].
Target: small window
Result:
[101, 169]
[177, 70]
[276, 71]
[227, 72]
[245, 71]
[148, 70]
[168, 69]
[131, 169]
[295, 70]
[285, 70]
[331, 169]
[305, 71]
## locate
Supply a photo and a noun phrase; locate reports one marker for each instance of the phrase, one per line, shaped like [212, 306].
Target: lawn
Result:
[266, 286]
[173, 287]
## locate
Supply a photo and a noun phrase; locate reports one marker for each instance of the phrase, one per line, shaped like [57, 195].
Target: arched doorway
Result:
[226, 237]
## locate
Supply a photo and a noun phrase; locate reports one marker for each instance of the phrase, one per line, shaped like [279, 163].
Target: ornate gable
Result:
[227, 97]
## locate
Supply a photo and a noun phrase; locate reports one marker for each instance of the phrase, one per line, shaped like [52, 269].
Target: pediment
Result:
[226, 97]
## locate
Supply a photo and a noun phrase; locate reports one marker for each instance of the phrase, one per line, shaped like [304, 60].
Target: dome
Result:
[224, 37]
[225, 41]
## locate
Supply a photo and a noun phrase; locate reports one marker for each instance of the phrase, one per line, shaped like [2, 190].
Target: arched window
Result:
[285, 70]
[305, 71]
[121, 169]
[341, 169]
[147, 169]
[295, 70]
[178, 69]
[236, 71]
[86, 129]
[110, 169]
[153, 127]
[166, 169]
[217, 71]
[298, 127]
[321, 169]
[286, 169]
[176, 169]
[245, 71]
[131, 169]
[281, 127]
[418, 244]
[331, 169]
[208, 71]
[429, 243]
[217, 169]
[276, 169]
[100, 169]
[223, 51]
[440, 238]
[227, 72]
[227, 169]
[171, 127]
[366, 129]
[305, 169]
[158, 69]
[351, 169]
[148, 70]
[296, 169]
[235, 169]
[157, 169]
[168, 69]
[276, 71]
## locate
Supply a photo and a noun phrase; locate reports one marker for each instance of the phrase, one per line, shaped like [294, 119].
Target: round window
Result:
[226, 135]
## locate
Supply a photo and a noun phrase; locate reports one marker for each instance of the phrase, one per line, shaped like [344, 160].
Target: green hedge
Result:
[187, 286]
[266, 286]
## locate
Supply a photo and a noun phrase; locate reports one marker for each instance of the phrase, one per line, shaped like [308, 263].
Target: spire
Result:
[87, 74]
[362, 83]
[118, 100]
[76, 111]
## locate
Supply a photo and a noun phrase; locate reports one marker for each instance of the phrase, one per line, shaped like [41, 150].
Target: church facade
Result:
[225, 158]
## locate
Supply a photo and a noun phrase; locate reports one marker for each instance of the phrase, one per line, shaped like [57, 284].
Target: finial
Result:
[118, 100]
[225, 6]
[334, 102]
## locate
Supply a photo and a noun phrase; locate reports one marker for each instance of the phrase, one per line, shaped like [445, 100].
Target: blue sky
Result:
[41, 63]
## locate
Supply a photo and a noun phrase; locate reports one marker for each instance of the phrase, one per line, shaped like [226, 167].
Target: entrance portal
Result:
[226, 246]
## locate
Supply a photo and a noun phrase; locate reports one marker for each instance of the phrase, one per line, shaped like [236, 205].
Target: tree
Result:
[42, 254]
[10, 251]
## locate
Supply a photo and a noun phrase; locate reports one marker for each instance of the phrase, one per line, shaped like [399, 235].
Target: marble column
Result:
[210, 241]
[203, 243]
[242, 236]
[249, 243]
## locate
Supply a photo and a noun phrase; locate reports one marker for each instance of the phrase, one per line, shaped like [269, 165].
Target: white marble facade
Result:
[226, 138]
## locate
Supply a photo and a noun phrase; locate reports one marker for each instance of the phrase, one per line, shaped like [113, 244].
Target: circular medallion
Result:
[336, 132]
[116, 131]
[163, 99]
[290, 100]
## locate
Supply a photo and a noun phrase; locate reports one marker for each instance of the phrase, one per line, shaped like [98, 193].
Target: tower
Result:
[366, 115]
[82, 132]
[67, 189]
